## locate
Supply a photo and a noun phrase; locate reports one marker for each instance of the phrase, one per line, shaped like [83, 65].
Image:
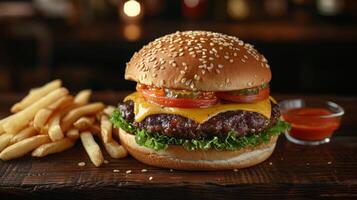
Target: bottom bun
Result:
[176, 157]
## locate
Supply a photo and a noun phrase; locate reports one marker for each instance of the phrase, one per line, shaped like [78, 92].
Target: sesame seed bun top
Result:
[199, 60]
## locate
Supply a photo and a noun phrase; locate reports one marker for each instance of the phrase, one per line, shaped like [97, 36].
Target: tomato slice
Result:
[262, 94]
[153, 97]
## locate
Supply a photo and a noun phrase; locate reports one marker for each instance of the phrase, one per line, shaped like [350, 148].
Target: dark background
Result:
[310, 44]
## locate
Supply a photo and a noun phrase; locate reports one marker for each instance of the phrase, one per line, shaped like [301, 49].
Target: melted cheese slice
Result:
[142, 109]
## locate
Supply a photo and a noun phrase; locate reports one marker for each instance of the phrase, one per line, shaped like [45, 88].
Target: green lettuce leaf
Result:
[231, 142]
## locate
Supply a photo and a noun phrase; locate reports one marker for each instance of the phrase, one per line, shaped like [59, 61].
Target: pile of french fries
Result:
[49, 120]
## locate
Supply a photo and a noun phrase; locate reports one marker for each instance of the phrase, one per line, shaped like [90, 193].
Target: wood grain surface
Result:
[293, 172]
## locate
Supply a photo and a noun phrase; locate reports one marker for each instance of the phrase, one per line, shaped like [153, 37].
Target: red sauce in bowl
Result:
[311, 123]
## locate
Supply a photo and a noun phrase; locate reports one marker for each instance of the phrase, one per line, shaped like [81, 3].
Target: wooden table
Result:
[292, 172]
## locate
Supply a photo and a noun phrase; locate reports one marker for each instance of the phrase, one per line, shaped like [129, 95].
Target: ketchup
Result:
[309, 123]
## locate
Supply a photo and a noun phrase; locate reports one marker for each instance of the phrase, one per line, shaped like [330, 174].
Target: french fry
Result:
[83, 123]
[109, 110]
[77, 113]
[83, 97]
[23, 147]
[25, 133]
[5, 140]
[41, 118]
[106, 129]
[19, 120]
[49, 120]
[44, 130]
[61, 103]
[43, 115]
[2, 122]
[36, 95]
[54, 128]
[73, 134]
[115, 150]
[92, 148]
[53, 147]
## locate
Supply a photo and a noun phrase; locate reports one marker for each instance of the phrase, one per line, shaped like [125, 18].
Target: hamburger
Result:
[201, 103]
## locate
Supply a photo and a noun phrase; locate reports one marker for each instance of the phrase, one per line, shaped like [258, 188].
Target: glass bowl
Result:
[312, 122]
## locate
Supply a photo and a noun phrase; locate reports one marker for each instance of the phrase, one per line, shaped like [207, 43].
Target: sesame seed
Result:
[150, 178]
[81, 164]
[188, 82]
[144, 170]
[231, 60]
[183, 80]
[242, 60]
[182, 72]
[197, 77]
[245, 56]
[329, 162]
[106, 162]
[270, 163]
[171, 170]
[181, 54]
[128, 171]
[116, 170]
[218, 71]
[264, 59]
[235, 170]
[220, 66]
[192, 85]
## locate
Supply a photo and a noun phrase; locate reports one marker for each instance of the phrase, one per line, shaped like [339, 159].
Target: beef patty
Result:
[241, 122]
